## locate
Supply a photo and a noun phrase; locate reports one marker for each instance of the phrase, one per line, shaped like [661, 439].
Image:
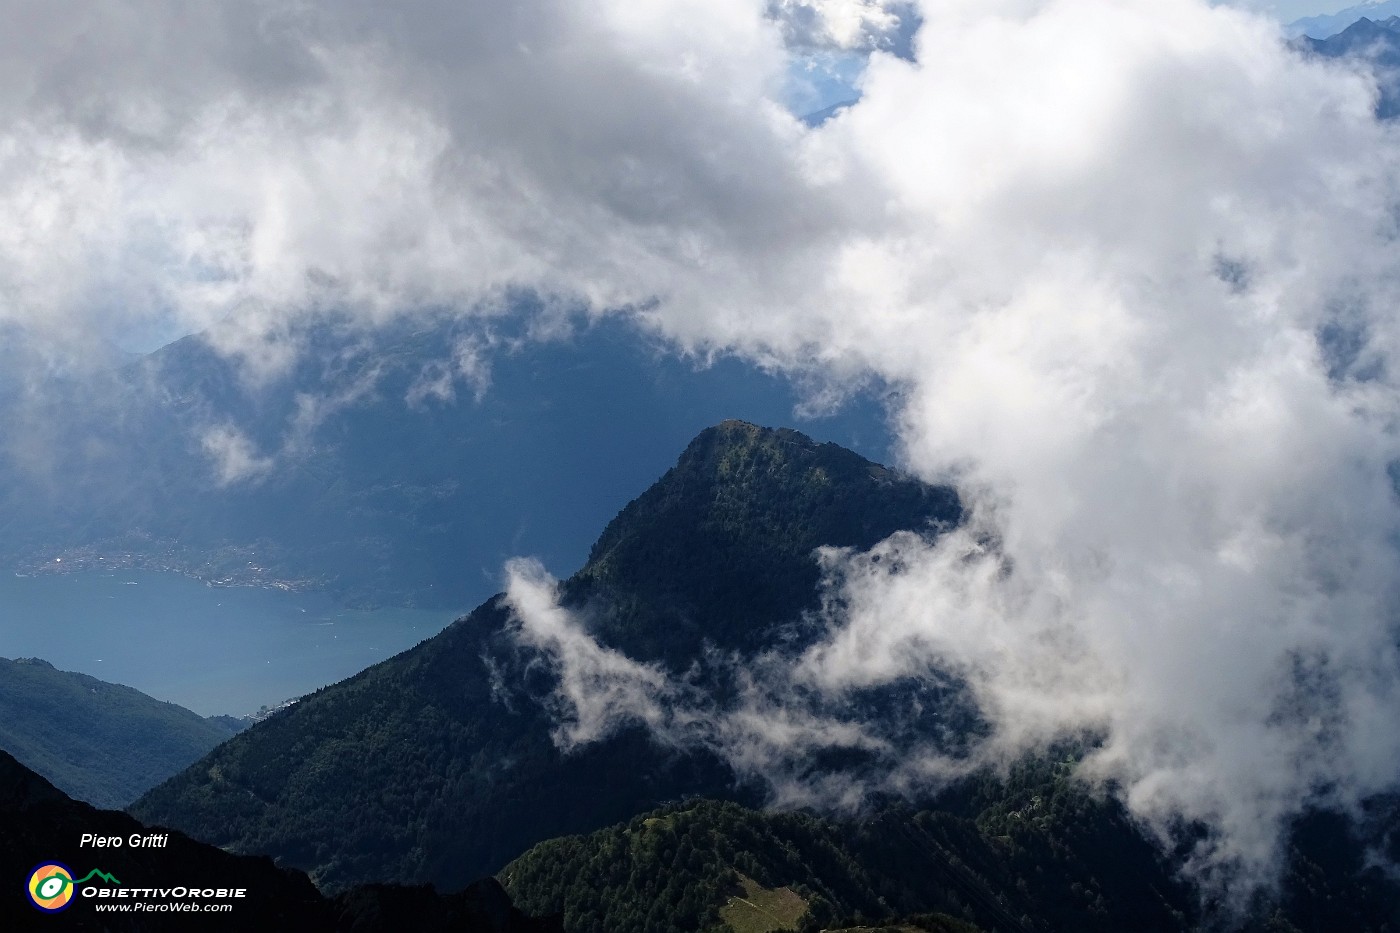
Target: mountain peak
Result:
[734, 433]
[1366, 26]
[1330, 24]
[440, 764]
[722, 545]
[35, 662]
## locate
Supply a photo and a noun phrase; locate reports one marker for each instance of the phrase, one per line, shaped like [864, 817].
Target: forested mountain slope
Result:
[103, 743]
[438, 765]
[1033, 851]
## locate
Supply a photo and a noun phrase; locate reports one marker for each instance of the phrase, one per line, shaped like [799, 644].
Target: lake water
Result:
[212, 649]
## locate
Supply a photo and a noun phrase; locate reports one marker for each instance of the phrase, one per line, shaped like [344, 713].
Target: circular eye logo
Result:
[51, 887]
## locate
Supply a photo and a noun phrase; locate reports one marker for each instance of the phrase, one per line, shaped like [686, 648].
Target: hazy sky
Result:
[1289, 10]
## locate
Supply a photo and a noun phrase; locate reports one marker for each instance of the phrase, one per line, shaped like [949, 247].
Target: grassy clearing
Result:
[762, 910]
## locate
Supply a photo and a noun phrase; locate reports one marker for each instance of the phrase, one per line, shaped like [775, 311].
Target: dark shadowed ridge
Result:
[1031, 851]
[438, 765]
[40, 824]
[703, 862]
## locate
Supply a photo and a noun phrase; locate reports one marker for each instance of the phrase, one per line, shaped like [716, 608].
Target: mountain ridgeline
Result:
[720, 550]
[103, 743]
[438, 765]
[1375, 42]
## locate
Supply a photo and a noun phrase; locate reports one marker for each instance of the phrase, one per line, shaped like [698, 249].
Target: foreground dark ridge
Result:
[438, 764]
[40, 824]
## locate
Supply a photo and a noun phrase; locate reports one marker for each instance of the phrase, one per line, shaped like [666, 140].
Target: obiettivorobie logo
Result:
[51, 885]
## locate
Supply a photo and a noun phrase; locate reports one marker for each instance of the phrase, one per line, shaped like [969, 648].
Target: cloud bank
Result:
[1131, 265]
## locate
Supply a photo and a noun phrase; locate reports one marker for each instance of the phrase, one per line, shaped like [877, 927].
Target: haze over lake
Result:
[211, 649]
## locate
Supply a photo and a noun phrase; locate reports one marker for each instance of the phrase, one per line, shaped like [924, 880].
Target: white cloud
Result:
[600, 689]
[1023, 230]
[234, 456]
[768, 734]
[1195, 524]
[437, 379]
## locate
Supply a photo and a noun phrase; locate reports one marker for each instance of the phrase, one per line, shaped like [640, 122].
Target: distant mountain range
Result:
[1374, 41]
[102, 743]
[1329, 24]
[438, 765]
